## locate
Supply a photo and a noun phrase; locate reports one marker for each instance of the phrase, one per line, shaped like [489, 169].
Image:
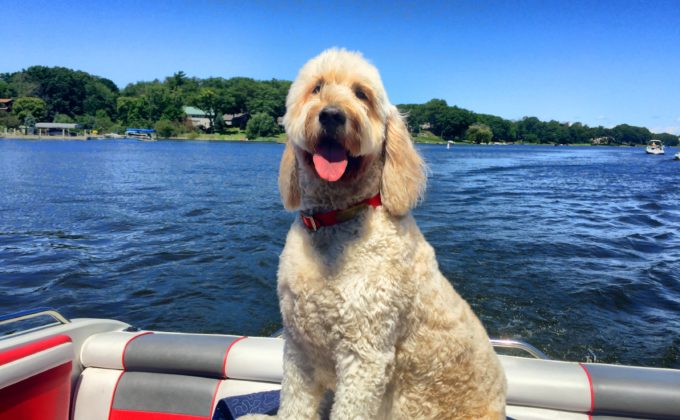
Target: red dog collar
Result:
[333, 217]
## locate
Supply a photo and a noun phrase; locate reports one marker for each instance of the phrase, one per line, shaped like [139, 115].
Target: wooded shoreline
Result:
[182, 106]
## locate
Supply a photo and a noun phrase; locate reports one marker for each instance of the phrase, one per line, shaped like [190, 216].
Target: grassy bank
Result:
[231, 136]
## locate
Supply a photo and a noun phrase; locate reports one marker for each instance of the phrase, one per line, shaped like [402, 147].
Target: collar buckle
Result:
[310, 223]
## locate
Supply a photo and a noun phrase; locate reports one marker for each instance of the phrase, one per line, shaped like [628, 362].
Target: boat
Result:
[143, 134]
[103, 369]
[677, 156]
[449, 143]
[655, 147]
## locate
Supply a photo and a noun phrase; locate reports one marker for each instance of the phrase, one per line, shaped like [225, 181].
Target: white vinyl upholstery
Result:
[537, 389]
[547, 384]
[256, 359]
[233, 387]
[94, 393]
[116, 361]
[532, 413]
[105, 350]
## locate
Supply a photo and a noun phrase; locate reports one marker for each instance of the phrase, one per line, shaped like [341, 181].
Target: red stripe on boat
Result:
[592, 392]
[128, 343]
[212, 402]
[16, 353]
[226, 354]
[152, 415]
[113, 396]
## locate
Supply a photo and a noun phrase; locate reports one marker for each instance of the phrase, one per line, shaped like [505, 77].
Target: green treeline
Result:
[454, 123]
[58, 94]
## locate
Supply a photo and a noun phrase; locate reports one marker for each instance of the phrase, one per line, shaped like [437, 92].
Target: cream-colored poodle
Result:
[367, 313]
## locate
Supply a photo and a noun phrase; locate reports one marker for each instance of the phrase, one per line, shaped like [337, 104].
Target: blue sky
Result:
[599, 62]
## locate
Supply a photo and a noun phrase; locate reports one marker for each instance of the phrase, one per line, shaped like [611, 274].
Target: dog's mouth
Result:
[332, 162]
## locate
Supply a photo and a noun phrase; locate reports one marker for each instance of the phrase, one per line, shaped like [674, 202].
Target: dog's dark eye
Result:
[317, 88]
[360, 94]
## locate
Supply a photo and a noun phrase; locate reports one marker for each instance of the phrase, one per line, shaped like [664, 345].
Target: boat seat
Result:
[157, 376]
[540, 389]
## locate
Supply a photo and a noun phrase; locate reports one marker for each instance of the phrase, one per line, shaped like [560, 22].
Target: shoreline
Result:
[282, 140]
[87, 138]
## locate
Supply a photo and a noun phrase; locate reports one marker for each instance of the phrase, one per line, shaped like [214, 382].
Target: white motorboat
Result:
[677, 156]
[100, 369]
[655, 147]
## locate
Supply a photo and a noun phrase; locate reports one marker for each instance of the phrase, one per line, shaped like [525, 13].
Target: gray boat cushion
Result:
[185, 354]
[635, 391]
[165, 393]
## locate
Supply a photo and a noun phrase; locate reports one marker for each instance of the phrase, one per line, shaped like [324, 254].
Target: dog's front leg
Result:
[362, 381]
[301, 393]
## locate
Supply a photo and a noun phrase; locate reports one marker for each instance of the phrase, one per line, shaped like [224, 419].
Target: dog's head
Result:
[339, 122]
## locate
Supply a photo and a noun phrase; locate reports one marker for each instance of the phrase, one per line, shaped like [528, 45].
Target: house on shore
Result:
[6, 104]
[236, 120]
[197, 117]
[602, 141]
[56, 129]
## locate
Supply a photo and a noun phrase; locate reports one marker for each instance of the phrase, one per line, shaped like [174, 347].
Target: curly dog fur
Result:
[367, 313]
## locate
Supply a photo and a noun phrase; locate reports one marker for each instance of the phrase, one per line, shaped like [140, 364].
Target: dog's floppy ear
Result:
[403, 177]
[289, 186]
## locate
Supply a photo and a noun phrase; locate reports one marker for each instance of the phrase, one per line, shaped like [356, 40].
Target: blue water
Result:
[576, 250]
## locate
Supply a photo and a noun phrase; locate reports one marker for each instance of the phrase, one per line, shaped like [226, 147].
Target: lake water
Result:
[576, 250]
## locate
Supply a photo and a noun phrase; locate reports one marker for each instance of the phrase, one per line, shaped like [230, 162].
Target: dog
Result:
[367, 314]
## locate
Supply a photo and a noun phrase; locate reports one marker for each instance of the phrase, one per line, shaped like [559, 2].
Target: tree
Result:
[62, 118]
[100, 94]
[29, 122]
[9, 120]
[453, 122]
[627, 134]
[133, 111]
[177, 80]
[5, 90]
[102, 122]
[529, 129]
[167, 128]
[503, 130]
[261, 125]
[579, 133]
[220, 126]
[36, 107]
[22, 85]
[479, 133]
[209, 102]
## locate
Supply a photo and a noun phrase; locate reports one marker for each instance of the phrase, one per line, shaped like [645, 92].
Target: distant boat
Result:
[655, 147]
[143, 134]
[677, 156]
[449, 144]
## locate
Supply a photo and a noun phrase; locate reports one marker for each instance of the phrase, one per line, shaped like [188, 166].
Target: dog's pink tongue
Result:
[330, 161]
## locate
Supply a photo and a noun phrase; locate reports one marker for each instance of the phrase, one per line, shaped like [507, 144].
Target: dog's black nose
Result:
[331, 117]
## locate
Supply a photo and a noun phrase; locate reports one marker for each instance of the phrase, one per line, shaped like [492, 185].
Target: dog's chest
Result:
[321, 306]
[324, 294]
